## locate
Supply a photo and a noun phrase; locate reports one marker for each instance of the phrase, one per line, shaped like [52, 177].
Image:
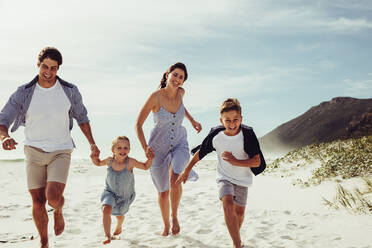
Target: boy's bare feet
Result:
[59, 222]
[175, 226]
[44, 244]
[165, 231]
[107, 240]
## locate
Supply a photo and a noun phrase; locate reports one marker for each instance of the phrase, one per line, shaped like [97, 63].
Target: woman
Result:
[168, 139]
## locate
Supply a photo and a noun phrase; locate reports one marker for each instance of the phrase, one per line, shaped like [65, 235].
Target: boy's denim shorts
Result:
[239, 193]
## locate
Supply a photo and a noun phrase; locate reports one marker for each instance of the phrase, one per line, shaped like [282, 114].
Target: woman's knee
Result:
[164, 195]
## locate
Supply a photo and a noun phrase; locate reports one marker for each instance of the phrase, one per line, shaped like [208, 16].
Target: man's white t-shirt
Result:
[225, 171]
[47, 119]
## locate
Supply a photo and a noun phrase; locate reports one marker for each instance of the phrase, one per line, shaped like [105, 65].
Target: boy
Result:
[239, 155]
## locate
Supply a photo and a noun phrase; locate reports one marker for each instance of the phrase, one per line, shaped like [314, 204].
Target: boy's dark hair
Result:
[117, 139]
[231, 104]
[179, 65]
[51, 53]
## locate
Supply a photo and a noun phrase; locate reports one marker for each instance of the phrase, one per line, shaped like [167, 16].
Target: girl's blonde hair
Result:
[115, 141]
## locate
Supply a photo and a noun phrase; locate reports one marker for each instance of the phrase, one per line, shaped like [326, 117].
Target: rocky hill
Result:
[340, 118]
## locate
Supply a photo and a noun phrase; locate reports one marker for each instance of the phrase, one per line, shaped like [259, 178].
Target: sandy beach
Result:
[278, 213]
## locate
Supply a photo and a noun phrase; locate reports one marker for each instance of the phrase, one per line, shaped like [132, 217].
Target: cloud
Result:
[343, 24]
[358, 88]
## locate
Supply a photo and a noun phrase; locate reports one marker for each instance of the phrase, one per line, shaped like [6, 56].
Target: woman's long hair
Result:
[179, 65]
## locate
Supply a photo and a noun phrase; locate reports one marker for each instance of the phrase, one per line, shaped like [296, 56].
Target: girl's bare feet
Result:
[107, 240]
[175, 226]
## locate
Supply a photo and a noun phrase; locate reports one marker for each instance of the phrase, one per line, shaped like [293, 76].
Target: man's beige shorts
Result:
[43, 167]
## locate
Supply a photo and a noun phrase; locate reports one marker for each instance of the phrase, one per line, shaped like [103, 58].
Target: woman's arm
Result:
[150, 154]
[194, 123]
[197, 126]
[144, 113]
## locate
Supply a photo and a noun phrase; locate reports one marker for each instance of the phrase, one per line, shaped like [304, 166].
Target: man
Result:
[46, 107]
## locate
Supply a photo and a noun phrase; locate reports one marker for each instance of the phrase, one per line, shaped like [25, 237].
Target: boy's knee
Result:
[239, 211]
[228, 203]
[107, 209]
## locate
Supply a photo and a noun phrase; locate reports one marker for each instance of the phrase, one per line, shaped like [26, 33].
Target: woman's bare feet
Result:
[175, 226]
[166, 230]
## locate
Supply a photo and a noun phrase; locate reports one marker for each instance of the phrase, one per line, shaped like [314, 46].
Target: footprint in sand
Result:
[291, 226]
[203, 231]
[286, 237]
[73, 231]
[263, 235]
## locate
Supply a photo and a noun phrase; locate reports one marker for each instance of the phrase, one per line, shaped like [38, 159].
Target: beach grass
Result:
[338, 159]
[355, 201]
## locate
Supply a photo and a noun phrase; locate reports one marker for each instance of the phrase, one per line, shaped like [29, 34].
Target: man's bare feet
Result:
[118, 230]
[59, 222]
[107, 240]
[165, 231]
[175, 226]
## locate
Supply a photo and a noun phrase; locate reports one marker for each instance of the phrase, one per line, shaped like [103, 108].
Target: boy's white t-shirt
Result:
[225, 171]
[47, 119]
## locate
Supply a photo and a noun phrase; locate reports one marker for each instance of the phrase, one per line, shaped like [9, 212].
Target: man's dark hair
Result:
[51, 53]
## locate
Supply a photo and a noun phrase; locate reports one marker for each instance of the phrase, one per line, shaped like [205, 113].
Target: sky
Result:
[279, 58]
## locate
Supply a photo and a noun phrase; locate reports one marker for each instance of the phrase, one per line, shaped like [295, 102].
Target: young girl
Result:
[169, 140]
[119, 191]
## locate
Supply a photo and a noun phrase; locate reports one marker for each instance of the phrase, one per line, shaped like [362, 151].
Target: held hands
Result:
[229, 157]
[197, 126]
[95, 160]
[9, 143]
[94, 151]
[150, 154]
[94, 155]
